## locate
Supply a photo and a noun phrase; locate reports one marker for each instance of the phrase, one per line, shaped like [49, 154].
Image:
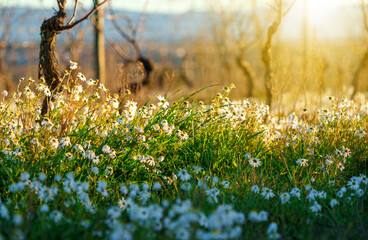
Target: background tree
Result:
[133, 56]
[278, 6]
[4, 35]
[100, 43]
[364, 60]
[50, 28]
[235, 34]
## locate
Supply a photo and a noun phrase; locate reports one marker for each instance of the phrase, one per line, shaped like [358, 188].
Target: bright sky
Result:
[323, 15]
[176, 6]
[172, 6]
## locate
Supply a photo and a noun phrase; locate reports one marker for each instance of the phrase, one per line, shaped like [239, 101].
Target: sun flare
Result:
[320, 14]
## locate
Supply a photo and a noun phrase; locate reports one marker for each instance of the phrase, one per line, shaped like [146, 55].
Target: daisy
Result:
[364, 179]
[315, 207]
[156, 186]
[255, 189]
[184, 175]
[162, 102]
[272, 231]
[285, 197]
[267, 193]
[186, 186]
[295, 192]
[73, 65]
[333, 203]
[353, 184]
[254, 162]
[302, 162]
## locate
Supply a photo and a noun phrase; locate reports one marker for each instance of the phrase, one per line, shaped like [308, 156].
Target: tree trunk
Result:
[48, 67]
[100, 45]
[249, 75]
[363, 63]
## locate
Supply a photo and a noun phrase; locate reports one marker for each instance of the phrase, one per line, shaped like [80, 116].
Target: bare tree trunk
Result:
[47, 63]
[100, 45]
[266, 51]
[50, 28]
[267, 61]
[363, 63]
[249, 75]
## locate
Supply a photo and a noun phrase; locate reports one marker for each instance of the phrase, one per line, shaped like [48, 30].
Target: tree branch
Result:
[365, 15]
[71, 25]
[74, 13]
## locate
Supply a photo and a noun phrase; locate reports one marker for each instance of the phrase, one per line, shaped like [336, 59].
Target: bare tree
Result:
[237, 33]
[279, 8]
[138, 58]
[50, 28]
[4, 36]
[72, 47]
[364, 61]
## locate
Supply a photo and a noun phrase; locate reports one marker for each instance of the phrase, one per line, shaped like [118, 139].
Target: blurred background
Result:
[295, 52]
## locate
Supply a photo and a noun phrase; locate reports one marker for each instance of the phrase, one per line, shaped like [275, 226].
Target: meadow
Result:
[101, 167]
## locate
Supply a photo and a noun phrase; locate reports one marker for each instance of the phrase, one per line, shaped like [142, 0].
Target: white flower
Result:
[225, 184]
[315, 207]
[102, 87]
[17, 220]
[353, 184]
[255, 189]
[254, 162]
[184, 175]
[81, 77]
[25, 176]
[109, 170]
[312, 195]
[333, 203]
[285, 197]
[182, 234]
[267, 193]
[44, 208]
[47, 92]
[73, 65]
[90, 82]
[272, 231]
[94, 170]
[114, 103]
[64, 142]
[101, 188]
[197, 169]
[54, 143]
[122, 203]
[4, 93]
[123, 189]
[302, 162]
[295, 192]
[56, 216]
[254, 216]
[186, 186]
[114, 212]
[57, 178]
[106, 149]
[90, 155]
[4, 213]
[364, 179]
[156, 186]
[162, 102]
[42, 177]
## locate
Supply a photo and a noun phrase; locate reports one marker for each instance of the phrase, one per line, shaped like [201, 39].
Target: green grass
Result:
[120, 144]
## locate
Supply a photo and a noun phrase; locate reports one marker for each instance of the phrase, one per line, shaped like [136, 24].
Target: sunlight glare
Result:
[317, 10]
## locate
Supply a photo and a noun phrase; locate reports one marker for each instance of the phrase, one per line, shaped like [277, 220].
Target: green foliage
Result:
[102, 167]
